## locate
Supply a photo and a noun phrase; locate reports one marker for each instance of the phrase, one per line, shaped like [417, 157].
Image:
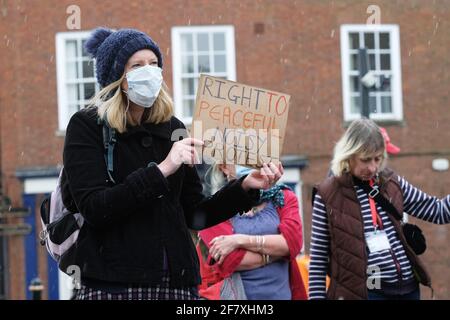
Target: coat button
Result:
[146, 141]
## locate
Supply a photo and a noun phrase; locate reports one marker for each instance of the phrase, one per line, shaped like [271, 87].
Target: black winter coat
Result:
[131, 223]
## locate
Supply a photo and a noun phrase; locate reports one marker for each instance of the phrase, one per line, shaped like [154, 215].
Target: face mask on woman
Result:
[144, 85]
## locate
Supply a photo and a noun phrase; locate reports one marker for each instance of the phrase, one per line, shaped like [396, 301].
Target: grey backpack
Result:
[61, 226]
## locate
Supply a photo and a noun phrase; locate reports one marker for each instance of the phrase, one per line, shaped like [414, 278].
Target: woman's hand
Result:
[265, 178]
[182, 151]
[221, 246]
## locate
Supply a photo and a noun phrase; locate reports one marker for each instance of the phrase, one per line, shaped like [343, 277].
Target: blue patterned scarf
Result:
[274, 194]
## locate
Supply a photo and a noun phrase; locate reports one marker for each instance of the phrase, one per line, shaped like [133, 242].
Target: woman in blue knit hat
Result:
[139, 192]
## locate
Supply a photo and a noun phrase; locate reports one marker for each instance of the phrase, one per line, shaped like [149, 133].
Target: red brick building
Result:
[305, 48]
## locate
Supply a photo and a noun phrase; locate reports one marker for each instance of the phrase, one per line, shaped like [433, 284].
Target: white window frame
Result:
[228, 30]
[396, 79]
[60, 39]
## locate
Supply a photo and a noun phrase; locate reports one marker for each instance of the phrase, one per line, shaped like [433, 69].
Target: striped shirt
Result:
[415, 203]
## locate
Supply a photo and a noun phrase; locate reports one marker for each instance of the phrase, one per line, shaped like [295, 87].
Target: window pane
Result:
[203, 63]
[195, 84]
[385, 84]
[73, 108]
[186, 42]
[355, 104]
[71, 49]
[354, 40]
[384, 41]
[71, 70]
[353, 62]
[386, 106]
[73, 92]
[89, 90]
[188, 86]
[373, 104]
[219, 41]
[369, 41]
[88, 69]
[203, 42]
[83, 50]
[187, 64]
[385, 61]
[220, 63]
[188, 107]
[354, 83]
[371, 62]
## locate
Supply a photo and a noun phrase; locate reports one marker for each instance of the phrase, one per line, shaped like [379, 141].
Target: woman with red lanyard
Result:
[357, 236]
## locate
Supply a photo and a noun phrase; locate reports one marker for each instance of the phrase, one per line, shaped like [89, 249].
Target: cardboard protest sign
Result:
[239, 123]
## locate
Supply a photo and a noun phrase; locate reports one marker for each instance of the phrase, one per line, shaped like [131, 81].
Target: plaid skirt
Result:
[161, 291]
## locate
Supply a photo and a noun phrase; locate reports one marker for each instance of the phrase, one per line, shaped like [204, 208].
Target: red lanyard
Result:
[376, 220]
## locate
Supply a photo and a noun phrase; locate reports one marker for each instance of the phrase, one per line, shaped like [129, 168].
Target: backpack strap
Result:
[109, 141]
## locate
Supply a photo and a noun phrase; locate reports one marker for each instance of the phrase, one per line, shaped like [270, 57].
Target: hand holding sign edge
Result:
[263, 178]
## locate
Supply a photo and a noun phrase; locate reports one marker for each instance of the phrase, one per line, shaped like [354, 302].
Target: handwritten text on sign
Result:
[240, 124]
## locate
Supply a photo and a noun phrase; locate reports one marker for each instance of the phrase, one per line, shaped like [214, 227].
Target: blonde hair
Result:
[215, 178]
[363, 138]
[114, 103]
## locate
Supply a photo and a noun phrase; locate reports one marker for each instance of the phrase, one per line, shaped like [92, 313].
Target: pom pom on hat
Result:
[95, 41]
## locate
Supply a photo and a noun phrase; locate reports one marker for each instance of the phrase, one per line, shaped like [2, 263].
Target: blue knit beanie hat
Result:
[112, 49]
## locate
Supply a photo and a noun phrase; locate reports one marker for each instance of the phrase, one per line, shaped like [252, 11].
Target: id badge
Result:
[377, 241]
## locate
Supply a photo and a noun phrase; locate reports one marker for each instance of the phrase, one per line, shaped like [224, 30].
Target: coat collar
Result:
[346, 181]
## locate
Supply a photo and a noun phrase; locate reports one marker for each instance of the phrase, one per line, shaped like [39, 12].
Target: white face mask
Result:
[144, 85]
